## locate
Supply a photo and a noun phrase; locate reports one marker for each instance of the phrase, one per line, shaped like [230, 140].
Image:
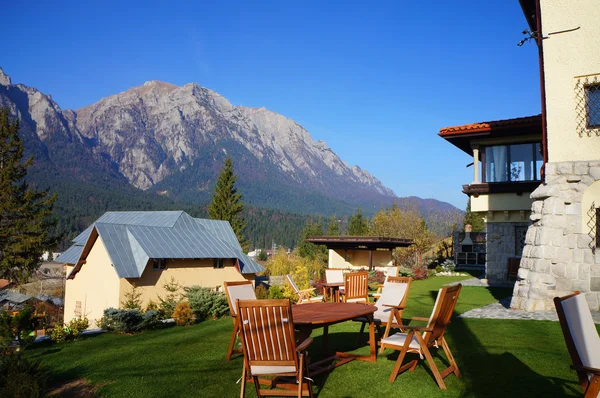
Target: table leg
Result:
[325, 339]
[372, 343]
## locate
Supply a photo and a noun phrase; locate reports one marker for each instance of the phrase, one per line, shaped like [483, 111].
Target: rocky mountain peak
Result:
[4, 78]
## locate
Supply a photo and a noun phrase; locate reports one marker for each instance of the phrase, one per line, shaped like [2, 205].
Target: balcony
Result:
[486, 188]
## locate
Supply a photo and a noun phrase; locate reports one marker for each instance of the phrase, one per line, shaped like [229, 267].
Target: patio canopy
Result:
[369, 243]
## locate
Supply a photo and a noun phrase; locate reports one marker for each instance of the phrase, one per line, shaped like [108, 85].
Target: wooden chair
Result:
[270, 349]
[390, 271]
[390, 304]
[304, 296]
[582, 340]
[234, 291]
[432, 335]
[335, 275]
[356, 287]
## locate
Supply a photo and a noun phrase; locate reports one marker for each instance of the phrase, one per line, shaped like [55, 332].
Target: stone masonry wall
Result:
[500, 246]
[557, 258]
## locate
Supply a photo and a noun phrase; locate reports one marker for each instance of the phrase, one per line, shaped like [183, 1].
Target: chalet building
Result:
[148, 249]
[537, 179]
[507, 161]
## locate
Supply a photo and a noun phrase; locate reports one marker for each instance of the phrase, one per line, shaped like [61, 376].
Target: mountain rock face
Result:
[171, 141]
[157, 129]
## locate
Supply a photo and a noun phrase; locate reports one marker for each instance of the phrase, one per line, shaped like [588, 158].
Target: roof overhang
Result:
[529, 10]
[461, 136]
[359, 242]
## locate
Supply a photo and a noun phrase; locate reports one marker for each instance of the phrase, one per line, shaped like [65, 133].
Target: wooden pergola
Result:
[369, 243]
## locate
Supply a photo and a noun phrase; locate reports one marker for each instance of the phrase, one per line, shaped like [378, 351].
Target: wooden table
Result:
[308, 317]
[331, 291]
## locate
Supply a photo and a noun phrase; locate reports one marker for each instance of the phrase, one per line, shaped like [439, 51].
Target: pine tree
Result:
[474, 219]
[309, 250]
[24, 211]
[358, 225]
[333, 227]
[227, 203]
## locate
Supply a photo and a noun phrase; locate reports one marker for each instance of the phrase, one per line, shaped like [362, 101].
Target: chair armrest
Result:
[306, 290]
[399, 307]
[304, 345]
[586, 369]
[416, 328]
[420, 318]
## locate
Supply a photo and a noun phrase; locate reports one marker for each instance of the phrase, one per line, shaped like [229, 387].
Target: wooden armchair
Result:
[390, 271]
[270, 349]
[234, 291]
[419, 340]
[305, 295]
[582, 340]
[390, 305]
[356, 288]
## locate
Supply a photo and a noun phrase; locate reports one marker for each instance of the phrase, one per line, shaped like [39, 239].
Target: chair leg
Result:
[257, 386]
[243, 391]
[401, 356]
[233, 337]
[450, 357]
[300, 375]
[362, 330]
[436, 373]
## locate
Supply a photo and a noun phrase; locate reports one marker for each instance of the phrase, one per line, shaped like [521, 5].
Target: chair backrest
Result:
[267, 330]
[391, 271]
[395, 292]
[356, 285]
[579, 332]
[292, 283]
[442, 312]
[238, 290]
[334, 275]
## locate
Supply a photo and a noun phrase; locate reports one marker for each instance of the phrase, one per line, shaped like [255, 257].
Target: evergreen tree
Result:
[309, 250]
[227, 204]
[24, 211]
[358, 225]
[333, 227]
[474, 219]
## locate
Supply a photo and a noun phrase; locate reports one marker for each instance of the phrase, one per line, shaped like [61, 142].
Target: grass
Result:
[496, 358]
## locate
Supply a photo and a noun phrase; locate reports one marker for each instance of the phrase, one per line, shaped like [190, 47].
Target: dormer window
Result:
[512, 163]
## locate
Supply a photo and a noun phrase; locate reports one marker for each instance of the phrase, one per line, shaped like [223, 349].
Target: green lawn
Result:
[496, 358]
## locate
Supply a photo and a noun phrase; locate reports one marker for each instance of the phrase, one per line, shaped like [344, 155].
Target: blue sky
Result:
[375, 80]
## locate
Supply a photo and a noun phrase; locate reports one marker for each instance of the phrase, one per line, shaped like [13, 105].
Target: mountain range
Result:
[160, 144]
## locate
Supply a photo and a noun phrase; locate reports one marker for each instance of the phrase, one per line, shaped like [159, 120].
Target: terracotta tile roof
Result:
[519, 122]
[4, 283]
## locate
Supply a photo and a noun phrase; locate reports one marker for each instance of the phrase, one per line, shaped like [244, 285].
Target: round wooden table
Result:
[310, 316]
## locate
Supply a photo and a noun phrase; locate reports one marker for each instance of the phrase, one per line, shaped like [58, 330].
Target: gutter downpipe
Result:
[539, 39]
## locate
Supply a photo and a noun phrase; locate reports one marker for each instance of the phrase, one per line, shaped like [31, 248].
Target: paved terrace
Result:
[502, 310]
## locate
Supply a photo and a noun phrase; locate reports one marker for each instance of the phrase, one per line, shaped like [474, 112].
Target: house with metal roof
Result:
[148, 249]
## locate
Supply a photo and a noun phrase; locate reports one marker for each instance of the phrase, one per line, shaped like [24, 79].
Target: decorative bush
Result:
[20, 377]
[58, 334]
[183, 314]
[376, 277]
[172, 298]
[439, 268]
[205, 303]
[151, 306]
[261, 292]
[448, 265]
[126, 321]
[133, 298]
[275, 292]
[420, 273]
[19, 326]
[151, 320]
[405, 271]
[78, 325]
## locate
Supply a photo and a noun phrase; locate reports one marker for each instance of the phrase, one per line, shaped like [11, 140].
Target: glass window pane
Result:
[539, 160]
[592, 99]
[495, 164]
[522, 162]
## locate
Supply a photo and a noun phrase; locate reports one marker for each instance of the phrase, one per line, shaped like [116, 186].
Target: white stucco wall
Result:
[566, 56]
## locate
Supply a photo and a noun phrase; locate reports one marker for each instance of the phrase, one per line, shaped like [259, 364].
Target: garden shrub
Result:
[448, 265]
[405, 271]
[78, 325]
[19, 326]
[205, 303]
[376, 277]
[151, 306]
[58, 334]
[439, 268]
[20, 377]
[275, 292]
[261, 292]
[126, 321]
[133, 298]
[172, 298]
[183, 314]
[151, 320]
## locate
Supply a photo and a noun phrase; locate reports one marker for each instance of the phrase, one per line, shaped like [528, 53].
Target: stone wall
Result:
[557, 258]
[500, 247]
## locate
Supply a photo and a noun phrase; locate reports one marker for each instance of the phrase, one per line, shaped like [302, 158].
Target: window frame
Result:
[218, 263]
[159, 264]
[534, 154]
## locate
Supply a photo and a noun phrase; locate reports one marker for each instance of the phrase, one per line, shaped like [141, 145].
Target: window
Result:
[218, 263]
[519, 162]
[159, 264]
[592, 105]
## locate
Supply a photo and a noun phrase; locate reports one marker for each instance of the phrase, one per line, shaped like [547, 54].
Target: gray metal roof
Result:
[132, 238]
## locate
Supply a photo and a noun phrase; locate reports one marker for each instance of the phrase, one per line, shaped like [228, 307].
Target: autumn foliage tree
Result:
[25, 212]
